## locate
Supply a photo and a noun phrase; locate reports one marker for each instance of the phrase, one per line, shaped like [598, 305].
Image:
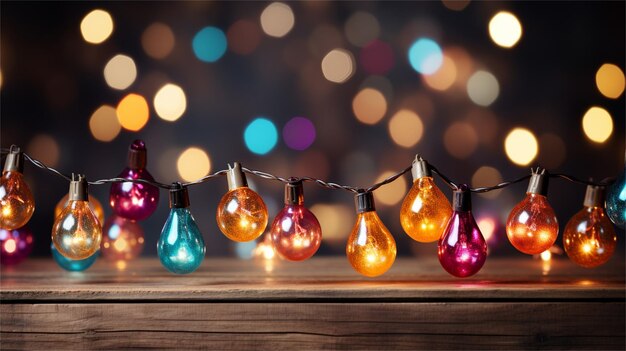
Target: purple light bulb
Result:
[136, 201]
[15, 245]
[462, 248]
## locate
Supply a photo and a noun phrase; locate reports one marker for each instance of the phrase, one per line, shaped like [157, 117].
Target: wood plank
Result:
[324, 278]
[307, 326]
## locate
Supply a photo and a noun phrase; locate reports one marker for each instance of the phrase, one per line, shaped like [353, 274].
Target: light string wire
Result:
[319, 182]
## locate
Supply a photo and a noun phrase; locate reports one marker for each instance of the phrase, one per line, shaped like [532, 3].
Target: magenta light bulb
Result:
[462, 248]
[15, 245]
[296, 233]
[136, 201]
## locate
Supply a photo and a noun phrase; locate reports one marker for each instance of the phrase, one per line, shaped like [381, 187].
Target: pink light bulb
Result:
[136, 201]
[296, 233]
[462, 248]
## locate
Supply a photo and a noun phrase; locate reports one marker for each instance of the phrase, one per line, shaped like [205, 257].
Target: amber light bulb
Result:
[241, 213]
[425, 211]
[589, 238]
[371, 248]
[94, 205]
[77, 233]
[16, 201]
[532, 226]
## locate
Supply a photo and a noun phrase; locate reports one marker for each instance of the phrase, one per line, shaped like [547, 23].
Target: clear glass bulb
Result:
[616, 200]
[532, 226]
[94, 204]
[76, 232]
[16, 201]
[122, 239]
[425, 211]
[242, 214]
[589, 238]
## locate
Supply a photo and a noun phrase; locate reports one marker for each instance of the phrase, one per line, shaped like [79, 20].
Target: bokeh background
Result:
[343, 91]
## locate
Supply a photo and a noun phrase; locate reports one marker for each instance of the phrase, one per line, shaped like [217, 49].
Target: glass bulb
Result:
[425, 211]
[136, 201]
[462, 248]
[532, 226]
[16, 201]
[616, 200]
[122, 239]
[94, 205]
[181, 246]
[76, 232]
[296, 232]
[589, 238]
[15, 245]
[371, 248]
[73, 265]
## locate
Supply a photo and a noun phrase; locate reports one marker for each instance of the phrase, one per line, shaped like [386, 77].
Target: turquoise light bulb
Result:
[616, 200]
[73, 265]
[181, 247]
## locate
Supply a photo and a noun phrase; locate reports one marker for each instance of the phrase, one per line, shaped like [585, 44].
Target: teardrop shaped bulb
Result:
[296, 233]
[616, 200]
[532, 226]
[16, 201]
[15, 245]
[425, 211]
[462, 250]
[181, 246]
[122, 239]
[134, 200]
[94, 204]
[371, 249]
[73, 265]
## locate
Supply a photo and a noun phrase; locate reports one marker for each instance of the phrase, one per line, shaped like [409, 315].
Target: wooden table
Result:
[317, 304]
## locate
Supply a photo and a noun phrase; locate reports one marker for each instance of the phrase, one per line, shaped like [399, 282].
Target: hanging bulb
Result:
[532, 226]
[462, 248]
[425, 210]
[72, 265]
[136, 201]
[15, 245]
[76, 232]
[181, 247]
[616, 200]
[94, 205]
[371, 248]
[589, 238]
[296, 233]
[122, 239]
[16, 201]
[241, 213]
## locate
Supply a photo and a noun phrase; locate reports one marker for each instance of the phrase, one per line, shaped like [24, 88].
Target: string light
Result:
[94, 205]
[616, 200]
[181, 247]
[76, 232]
[16, 200]
[532, 226]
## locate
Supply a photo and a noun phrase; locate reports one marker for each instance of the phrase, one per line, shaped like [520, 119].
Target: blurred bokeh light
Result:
[406, 128]
[597, 124]
[170, 102]
[44, 148]
[133, 112]
[505, 29]
[209, 44]
[338, 65]
[425, 56]
[610, 80]
[120, 72]
[261, 136]
[96, 26]
[392, 193]
[193, 164]
[483, 88]
[103, 123]
[369, 106]
[158, 40]
[277, 19]
[521, 146]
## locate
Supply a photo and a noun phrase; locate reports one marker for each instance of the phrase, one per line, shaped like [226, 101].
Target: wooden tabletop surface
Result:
[317, 279]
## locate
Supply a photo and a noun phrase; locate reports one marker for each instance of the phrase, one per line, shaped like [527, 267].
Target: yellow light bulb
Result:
[425, 211]
[94, 205]
[16, 201]
[371, 248]
[241, 213]
[76, 232]
[589, 238]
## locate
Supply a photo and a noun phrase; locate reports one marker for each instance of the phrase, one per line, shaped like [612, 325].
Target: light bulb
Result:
[15, 245]
[532, 226]
[16, 201]
[241, 213]
[94, 205]
[122, 239]
[76, 232]
[371, 248]
[136, 201]
[616, 200]
[296, 233]
[462, 248]
[73, 265]
[425, 210]
[181, 247]
[589, 238]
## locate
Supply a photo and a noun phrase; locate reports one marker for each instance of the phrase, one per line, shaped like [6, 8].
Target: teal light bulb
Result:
[180, 247]
[616, 200]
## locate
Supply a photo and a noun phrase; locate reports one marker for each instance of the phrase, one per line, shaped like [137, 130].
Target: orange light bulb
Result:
[94, 205]
[425, 211]
[241, 213]
[371, 248]
[16, 201]
[77, 233]
[589, 238]
[532, 226]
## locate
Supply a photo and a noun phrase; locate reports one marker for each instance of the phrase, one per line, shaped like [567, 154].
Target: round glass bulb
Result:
[589, 238]
[425, 211]
[296, 233]
[462, 248]
[76, 232]
[371, 248]
[94, 205]
[16, 201]
[181, 246]
[242, 214]
[532, 226]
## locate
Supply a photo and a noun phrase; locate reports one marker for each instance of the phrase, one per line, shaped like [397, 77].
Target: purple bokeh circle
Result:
[299, 133]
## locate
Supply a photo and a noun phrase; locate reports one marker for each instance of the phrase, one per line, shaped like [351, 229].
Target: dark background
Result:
[52, 82]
